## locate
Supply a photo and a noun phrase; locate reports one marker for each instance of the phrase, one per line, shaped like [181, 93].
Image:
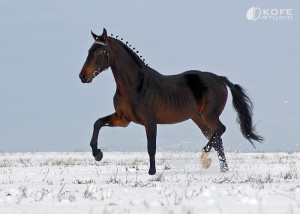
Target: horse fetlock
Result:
[206, 161]
[93, 144]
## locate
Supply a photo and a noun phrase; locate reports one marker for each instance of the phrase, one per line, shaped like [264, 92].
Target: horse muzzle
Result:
[83, 78]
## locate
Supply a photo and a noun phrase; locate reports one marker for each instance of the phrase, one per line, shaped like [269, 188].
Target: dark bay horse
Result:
[148, 98]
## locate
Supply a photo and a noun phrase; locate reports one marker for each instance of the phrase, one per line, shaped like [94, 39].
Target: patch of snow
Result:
[75, 183]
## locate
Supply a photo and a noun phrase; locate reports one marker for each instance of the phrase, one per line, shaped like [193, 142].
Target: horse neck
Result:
[126, 70]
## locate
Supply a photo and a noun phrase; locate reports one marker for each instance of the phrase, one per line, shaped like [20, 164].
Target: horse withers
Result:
[148, 98]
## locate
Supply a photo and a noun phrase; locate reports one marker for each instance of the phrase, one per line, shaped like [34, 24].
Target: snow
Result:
[75, 183]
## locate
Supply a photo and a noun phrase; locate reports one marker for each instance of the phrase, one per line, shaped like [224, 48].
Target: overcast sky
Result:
[45, 107]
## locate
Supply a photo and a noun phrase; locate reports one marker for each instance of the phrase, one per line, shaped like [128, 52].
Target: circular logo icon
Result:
[253, 13]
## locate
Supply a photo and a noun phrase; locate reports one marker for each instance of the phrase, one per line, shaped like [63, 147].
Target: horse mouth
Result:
[92, 76]
[90, 79]
[86, 81]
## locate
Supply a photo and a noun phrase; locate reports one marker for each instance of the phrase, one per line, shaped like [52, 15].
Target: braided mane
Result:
[133, 54]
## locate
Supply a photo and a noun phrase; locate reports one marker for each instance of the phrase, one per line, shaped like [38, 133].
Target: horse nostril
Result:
[83, 78]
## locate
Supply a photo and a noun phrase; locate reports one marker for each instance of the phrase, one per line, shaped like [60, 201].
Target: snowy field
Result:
[75, 183]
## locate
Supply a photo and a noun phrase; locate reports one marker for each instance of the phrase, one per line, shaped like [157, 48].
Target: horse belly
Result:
[176, 115]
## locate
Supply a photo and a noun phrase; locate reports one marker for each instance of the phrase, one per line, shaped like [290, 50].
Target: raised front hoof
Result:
[206, 162]
[99, 156]
[152, 171]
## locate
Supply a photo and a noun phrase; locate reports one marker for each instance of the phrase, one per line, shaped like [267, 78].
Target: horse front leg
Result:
[110, 120]
[151, 129]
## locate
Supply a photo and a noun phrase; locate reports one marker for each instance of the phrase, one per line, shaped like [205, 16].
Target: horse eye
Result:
[96, 52]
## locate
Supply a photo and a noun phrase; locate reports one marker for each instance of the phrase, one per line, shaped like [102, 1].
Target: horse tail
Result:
[244, 108]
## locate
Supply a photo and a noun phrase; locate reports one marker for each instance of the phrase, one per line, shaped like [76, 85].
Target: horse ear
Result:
[94, 35]
[104, 35]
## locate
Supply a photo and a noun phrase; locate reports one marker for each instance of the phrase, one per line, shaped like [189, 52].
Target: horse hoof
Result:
[152, 171]
[206, 162]
[99, 156]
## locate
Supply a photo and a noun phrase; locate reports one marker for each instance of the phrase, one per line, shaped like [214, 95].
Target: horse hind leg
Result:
[213, 131]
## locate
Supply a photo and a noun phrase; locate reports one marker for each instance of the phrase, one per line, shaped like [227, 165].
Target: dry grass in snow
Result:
[75, 183]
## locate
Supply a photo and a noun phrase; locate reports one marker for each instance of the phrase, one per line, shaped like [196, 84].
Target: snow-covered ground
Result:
[75, 183]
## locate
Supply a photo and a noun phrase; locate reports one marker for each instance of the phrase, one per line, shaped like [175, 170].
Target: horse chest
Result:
[126, 109]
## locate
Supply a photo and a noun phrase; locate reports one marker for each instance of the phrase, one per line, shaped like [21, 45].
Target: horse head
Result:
[97, 59]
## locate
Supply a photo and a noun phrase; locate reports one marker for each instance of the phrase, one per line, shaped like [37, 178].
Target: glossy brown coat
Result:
[147, 97]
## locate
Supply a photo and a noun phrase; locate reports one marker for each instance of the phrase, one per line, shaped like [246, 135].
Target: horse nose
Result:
[83, 78]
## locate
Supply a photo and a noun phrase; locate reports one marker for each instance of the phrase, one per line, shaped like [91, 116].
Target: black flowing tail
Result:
[244, 107]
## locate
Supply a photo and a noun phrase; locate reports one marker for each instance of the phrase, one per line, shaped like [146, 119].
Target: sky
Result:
[45, 107]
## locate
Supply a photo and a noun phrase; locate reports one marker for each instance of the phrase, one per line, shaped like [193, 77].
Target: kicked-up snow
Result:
[75, 183]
